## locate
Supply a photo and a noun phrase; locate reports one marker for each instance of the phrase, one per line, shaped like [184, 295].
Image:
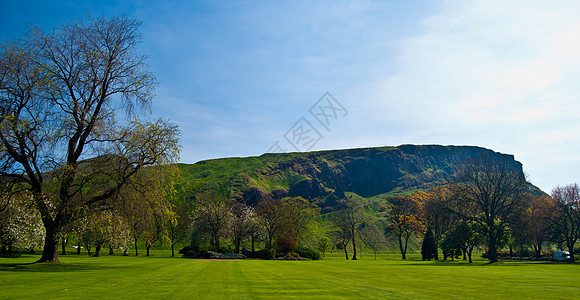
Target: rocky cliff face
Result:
[324, 176]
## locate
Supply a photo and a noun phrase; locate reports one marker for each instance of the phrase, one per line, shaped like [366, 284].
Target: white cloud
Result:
[495, 74]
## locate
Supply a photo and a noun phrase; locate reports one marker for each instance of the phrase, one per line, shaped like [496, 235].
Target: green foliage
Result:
[266, 254]
[308, 253]
[188, 251]
[323, 245]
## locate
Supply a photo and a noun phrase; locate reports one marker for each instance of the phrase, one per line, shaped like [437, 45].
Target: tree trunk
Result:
[353, 248]
[111, 250]
[403, 254]
[345, 252]
[216, 240]
[148, 247]
[50, 250]
[135, 243]
[469, 254]
[237, 241]
[571, 250]
[538, 249]
[172, 250]
[97, 250]
[252, 243]
[63, 245]
[79, 244]
[492, 251]
[270, 236]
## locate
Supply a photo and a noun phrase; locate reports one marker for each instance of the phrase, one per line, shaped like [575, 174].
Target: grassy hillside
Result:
[323, 176]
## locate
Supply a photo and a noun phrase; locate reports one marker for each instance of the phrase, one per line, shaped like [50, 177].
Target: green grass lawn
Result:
[159, 276]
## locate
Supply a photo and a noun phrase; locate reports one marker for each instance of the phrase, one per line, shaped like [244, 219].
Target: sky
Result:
[242, 78]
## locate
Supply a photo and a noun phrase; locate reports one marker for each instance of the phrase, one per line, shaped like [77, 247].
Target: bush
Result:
[221, 249]
[291, 256]
[216, 255]
[266, 254]
[188, 251]
[7, 254]
[506, 254]
[285, 244]
[308, 253]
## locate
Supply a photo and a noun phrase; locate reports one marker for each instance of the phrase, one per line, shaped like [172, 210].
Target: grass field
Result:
[159, 276]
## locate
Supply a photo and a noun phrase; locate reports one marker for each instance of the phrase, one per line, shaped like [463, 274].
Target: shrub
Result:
[291, 256]
[216, 255]
[266, 254]
[221, 249]
[286, 244]
[188, 251]
[7, 254]
[308, 253]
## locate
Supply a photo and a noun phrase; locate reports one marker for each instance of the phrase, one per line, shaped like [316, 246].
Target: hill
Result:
[323, 176]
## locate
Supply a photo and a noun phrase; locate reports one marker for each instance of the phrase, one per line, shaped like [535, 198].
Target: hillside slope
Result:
[323, 176]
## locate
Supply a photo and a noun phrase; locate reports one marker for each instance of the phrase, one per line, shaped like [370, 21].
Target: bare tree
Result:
[342, 232]
[350, 219]
[489, 190]
[60, 93]
[566, 218]
[372, 234]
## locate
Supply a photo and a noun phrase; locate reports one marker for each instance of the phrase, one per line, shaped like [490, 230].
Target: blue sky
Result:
[241, 76]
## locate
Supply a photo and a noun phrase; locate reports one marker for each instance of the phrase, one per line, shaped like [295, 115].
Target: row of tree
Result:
[216, 217]
[488, 203]
[140, 212]
[494, 209]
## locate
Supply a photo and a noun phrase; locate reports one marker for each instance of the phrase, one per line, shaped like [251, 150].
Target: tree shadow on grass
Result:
[482, 263]
[59, 267]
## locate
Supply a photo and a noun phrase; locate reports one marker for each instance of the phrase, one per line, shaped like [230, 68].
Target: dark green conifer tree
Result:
[429, 247]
